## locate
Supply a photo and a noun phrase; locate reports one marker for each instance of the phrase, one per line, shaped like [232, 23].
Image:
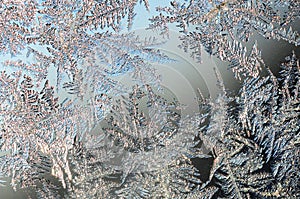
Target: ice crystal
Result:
[221, 27]
[41, 122]
[34, 125]
[151, 138]
[255, 142]
[251, 137]
[72, 127]
[130, 157]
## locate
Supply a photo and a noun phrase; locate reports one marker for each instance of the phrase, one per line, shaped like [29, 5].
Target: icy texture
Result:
[78, 42]
[86, 134]
[222, 27]
[255, 142]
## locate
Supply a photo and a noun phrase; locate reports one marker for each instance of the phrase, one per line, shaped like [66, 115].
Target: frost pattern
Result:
[41, 120]
[255, 143]
[252, 144]
[87, 135]
[222, 27]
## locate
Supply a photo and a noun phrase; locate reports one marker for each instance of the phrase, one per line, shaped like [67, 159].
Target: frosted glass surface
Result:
[149, 99]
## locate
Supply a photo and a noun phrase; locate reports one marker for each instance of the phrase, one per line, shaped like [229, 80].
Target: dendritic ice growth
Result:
[58, 78]
[254, 137]
[72, 127]
[223, 27]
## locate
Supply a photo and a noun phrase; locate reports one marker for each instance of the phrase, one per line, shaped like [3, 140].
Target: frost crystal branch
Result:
[255, 143]
[77, 41]
[71, 127]
[222, 27]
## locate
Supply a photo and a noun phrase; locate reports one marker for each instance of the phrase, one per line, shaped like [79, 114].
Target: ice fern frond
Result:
[148, 130]
[33, 125]
[255, 144]
[172, 181]
[222, 27]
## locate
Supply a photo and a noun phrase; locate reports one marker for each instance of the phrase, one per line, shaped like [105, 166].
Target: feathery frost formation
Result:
[223, 27]
[72, 127]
